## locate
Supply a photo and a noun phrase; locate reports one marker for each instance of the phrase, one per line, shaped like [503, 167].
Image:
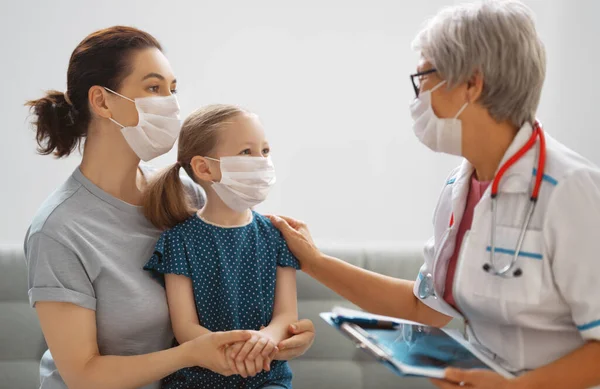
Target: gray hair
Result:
[498, 39]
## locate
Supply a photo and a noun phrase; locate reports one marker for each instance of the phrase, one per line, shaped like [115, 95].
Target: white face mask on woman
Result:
[245, 181]
[158, 126]
[441, 135]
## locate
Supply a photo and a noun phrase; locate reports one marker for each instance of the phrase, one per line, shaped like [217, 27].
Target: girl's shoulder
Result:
[182, 231]
[264, 224]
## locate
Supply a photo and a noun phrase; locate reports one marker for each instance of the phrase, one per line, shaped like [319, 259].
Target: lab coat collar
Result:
[517, 178]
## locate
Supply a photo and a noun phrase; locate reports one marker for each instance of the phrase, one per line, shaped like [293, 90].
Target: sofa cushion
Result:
[323, 373]
[375, 375]
[20, 334]
[13, 277]
[20, 374]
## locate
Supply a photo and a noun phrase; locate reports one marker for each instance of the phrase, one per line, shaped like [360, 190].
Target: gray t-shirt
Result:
[88, 248]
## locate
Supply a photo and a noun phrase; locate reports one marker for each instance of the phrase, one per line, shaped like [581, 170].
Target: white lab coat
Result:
[554, 306]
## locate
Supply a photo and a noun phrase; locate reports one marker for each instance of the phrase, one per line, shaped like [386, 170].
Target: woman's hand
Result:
[480, 379]
[298, 239]
[302, 336]
[208, 351]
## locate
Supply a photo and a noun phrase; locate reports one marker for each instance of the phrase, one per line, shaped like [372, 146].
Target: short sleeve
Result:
[285, 258]
[170, 256]
[571, 232]
[55, 273]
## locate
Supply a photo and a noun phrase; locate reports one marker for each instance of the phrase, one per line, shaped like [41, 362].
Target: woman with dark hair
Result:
[105, 320]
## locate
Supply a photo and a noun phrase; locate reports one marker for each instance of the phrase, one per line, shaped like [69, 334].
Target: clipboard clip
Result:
[365, 341]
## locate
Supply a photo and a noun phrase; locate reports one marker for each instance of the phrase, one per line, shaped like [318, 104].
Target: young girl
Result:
[225, 266]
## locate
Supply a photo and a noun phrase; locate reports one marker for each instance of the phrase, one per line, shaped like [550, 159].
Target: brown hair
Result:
[166, 202]
[103, 59]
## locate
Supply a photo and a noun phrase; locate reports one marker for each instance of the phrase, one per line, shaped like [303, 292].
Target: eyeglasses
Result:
[418, 76]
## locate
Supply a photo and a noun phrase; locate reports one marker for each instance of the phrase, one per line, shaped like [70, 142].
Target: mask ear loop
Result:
[465, 105]
[216, 160]
[461, 110]
[120, 95]
[438, 86]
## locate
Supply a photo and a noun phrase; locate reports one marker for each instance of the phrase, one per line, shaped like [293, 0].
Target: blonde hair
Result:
[165, 201]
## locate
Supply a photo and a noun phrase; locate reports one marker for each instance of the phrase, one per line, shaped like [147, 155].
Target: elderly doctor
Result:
[517, 225]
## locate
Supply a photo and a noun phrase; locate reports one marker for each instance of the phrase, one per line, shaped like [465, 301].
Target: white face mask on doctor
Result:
[245, 181]
[441, 135]
[158, 126]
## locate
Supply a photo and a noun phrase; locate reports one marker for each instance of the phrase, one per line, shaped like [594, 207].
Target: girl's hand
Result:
[248, 358]
[298, 239]
[480, 379]
[208, 351]
[302, 336]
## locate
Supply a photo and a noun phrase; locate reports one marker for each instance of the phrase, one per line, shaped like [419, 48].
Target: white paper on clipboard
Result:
[412, 349]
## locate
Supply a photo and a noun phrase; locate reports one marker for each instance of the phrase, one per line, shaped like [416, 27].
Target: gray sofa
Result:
[332, 362]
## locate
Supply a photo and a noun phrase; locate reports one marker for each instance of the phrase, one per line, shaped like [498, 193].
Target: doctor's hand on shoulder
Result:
[299, 241]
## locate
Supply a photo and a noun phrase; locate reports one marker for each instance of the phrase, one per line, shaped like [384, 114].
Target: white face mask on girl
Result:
[158, 126]
[441, 135]
[245, 181]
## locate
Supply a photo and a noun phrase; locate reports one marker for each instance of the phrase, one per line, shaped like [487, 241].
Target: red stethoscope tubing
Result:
[537, 133]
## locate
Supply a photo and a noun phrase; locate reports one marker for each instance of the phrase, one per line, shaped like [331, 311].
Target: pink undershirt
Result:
[476, 190]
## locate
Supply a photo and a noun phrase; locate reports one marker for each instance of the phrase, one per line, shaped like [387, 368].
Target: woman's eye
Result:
[154, 89]
[246, 152]
[173, 91]
[266, 152]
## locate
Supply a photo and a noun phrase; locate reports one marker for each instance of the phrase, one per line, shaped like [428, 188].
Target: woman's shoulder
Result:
[62, 206]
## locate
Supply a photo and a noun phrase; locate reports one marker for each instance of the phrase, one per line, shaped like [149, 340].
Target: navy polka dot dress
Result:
[233, 274]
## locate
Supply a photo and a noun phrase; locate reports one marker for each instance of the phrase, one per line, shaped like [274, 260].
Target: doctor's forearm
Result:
[374, 292]
[578, 370]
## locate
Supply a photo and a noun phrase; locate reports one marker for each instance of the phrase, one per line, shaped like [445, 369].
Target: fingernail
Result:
[294, 327]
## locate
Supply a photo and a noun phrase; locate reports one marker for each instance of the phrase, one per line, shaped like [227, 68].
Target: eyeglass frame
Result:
[420, 74]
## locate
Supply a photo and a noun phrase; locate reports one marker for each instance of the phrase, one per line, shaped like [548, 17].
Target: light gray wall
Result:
[328, 78]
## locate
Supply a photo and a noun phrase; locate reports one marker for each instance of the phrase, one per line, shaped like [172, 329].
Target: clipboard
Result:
[408, 348]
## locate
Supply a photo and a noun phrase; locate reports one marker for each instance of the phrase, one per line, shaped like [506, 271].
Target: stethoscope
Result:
[426, 288]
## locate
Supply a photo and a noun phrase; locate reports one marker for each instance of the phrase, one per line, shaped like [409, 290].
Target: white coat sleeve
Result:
[572, 234]
[430, 246]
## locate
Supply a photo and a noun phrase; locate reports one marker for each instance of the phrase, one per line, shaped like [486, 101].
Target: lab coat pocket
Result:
[522, 284]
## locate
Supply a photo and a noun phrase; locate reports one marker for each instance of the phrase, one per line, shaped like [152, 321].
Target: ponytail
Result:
[103, 58]
[57, 127]
[166, 202]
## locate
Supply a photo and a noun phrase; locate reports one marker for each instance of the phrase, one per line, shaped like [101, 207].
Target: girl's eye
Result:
[266, 151]
[154, 89]
[174, 91]
[246, 152]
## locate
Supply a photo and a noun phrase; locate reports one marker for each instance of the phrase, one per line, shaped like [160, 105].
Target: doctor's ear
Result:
[475, 87]
[202, 169]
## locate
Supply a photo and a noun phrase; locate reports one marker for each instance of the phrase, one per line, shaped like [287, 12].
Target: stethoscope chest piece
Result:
[426, 287]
